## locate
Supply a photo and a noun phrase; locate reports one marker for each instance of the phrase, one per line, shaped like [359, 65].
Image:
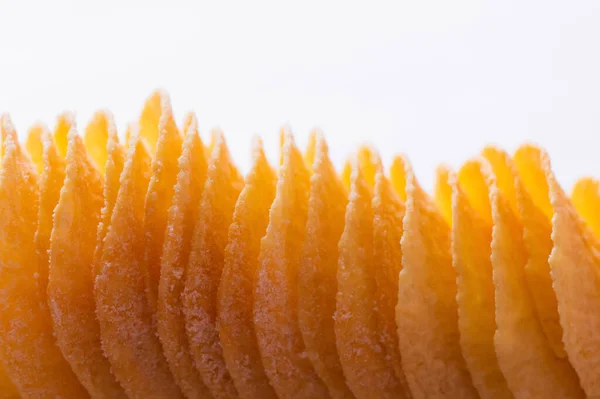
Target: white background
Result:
[434, 79]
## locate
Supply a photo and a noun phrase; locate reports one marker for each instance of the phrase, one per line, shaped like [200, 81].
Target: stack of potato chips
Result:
[153, 269]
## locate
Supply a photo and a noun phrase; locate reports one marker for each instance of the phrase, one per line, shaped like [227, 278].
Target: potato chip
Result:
[115, 158]
[70, 285]
[64, 123]
[426, 313]
[317, 273]
[27, 346]
[369, 161]
[35, 145]
[525, 356]
[471, 252]
[536, 214]
[574, 262]
[276, 292]
[586, 200]
[156, 105]
[128, 335]
[221, 190]
[183, 214]
[159, 196]
[96, 136]
[442, 192]
[234, 307]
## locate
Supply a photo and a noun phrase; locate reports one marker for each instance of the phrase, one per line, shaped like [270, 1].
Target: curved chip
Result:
[221, 190]
[70, 284]
[156, 105]
[159, 196]
[426, 313]
[536, 214]
[96, 136]
[183, 214]
[471, 258]
[64, 123]
[317, 273]
[27, 346]
[369, 161]
[276, 292]
[525, 356]
[575, 265]
[128, 336]
[234, 307]
[442, 192]
[35, 145]
[586, 200]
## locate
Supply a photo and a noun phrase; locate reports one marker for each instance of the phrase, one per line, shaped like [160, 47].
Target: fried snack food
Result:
[471, 258]
[426, 313]
[155, 106]
[585, 197]
[276, 292]
[317, 272]
[525, 356]
[95, 138]
[358, 338]
[183, 214]
[159, 196]
[35, 145]
[235, 295]
[536, 213]
[575, 262]
[64, 124]
[369, 162]
[70, 284]
[128, 335]
[27, 346]
[221, 189]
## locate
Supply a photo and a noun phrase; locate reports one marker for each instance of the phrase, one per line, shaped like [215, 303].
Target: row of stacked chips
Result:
[155, 270]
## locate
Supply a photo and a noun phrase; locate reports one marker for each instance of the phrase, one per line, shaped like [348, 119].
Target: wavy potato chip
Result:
[586, 200]
[575, 262]
[317, 272]
[426, 313]
[183, 214]
[234, 307]
[471, 258]
[64, 123]
[221, 189]
[525, 356]
[159, 196]
[369, 162]
[35, 145]
[96, 136]
[128, 335]
[275, 310]
[157, 104]
[70, 284]
[27, 346]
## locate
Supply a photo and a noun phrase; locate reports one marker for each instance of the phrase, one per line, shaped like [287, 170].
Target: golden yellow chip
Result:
[27, 346]
[276, 293]
[183, 214]
[388, 212]
[575, 262]
[96, 136]
[221, 190]
[525, 356]
[369, 162]
[317, 273]
[115, 158]
[35, 145]
[426, 313]
[70, 284]
[64, 123]
[128, 335]
[442, 192]
[234, 307]
[471, 252]
[586, 200]
[157, 105]
[158, 199]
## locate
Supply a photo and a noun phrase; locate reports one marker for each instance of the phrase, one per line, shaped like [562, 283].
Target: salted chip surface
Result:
[64, 123]
[525, 356]
[442, 192]
[71, 284]
[128, 335]
[221, 190]
[586, 200]
[362, 353]
[35, 145]
[234, 307]
[276, 292]
[536, 214]
[95, 138]
[575, 262]
[27, 346]
[369, 161]
[183, 214]
[426, 313]
[156, 105]
[471, 258]
[317, 273]
[165, 168]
